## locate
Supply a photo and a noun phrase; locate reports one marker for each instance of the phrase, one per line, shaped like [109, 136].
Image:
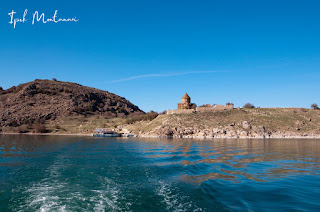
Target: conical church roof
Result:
[186, 96]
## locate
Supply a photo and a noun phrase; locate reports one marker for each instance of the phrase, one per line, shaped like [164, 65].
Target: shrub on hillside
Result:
[314, 106]
[163, 112]
[57, 126]
[205, 105]
[248, 105]
[22, 129]
[13, 123]
[79, 109]
[109, 115]
[39, 128]
[142, 117]
[150, 115]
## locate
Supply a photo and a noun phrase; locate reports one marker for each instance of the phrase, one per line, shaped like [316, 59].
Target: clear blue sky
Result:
[266, 52]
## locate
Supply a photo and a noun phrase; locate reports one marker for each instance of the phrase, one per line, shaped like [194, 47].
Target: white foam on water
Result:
[174, 200]
[103, 202]
[43, 198]
[53, 193]
[108, 197]
[45, 195]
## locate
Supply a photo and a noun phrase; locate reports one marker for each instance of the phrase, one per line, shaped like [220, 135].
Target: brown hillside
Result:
[43, 100]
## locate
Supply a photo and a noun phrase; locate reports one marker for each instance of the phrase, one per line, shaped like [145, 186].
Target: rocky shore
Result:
[228, 132]
[239, 123]
[201, 136]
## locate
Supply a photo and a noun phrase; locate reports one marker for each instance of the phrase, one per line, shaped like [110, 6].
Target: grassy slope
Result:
[273, 119]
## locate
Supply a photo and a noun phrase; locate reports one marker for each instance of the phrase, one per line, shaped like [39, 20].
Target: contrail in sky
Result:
[164, 75]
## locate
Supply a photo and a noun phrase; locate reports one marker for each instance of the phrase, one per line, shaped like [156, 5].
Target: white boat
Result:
[103, 132]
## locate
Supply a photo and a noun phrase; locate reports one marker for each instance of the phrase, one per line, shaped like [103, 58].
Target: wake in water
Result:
[67, 189]
[174, 200]
[109, 197]
[50, 193]
[61, 192]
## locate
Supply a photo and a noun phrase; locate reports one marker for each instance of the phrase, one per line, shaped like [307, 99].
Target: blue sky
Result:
[151, 52]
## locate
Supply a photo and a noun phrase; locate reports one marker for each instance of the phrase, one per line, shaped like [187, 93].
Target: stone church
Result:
[186, 103]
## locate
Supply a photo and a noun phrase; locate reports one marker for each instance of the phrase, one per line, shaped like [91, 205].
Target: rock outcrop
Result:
[42, 100]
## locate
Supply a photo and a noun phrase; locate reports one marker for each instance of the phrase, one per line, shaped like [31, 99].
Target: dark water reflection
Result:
[65, 173]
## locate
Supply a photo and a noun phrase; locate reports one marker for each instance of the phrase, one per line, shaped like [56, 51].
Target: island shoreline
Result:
[171, 137]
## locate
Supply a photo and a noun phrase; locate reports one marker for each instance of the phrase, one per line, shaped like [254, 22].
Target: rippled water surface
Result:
[64, 173]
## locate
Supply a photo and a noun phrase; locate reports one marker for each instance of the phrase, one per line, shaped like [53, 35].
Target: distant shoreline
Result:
[173, 137]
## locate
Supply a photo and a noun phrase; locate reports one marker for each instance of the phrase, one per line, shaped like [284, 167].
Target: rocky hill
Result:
[47, 100]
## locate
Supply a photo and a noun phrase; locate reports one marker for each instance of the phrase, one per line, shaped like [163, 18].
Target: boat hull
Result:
[106, 135]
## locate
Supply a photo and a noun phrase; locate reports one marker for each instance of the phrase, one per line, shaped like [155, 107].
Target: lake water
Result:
[69, 173]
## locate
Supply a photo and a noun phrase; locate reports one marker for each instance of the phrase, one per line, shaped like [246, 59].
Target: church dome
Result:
[186, 96]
